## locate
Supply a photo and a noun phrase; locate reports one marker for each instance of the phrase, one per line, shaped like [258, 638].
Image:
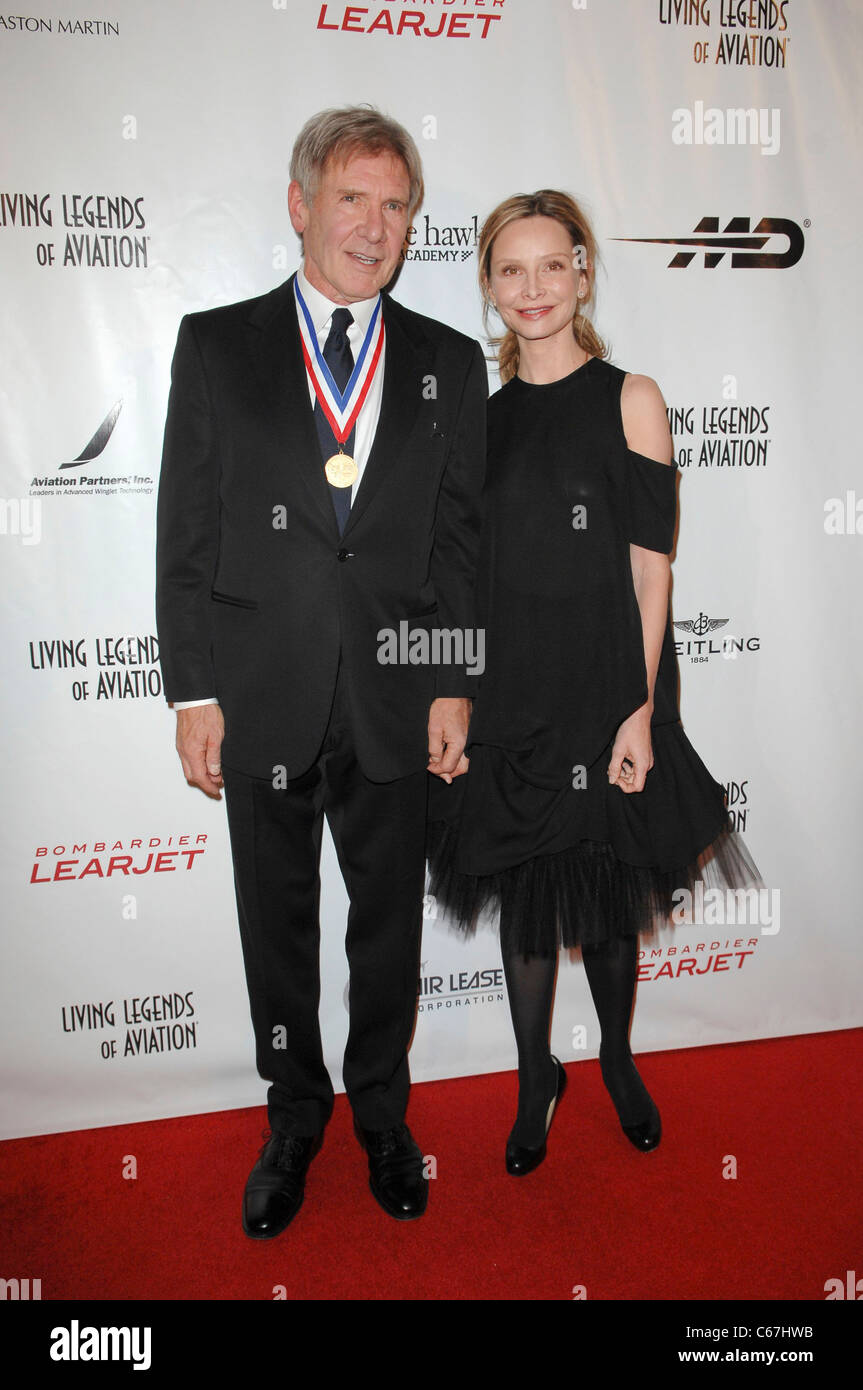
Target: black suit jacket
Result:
[257, 595]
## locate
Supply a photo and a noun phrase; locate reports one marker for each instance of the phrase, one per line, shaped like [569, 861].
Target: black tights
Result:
[611, 972]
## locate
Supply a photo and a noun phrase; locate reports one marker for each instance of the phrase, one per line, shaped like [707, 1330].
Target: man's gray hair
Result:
[340, 133]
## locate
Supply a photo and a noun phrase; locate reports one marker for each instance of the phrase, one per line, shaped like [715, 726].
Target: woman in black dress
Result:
[585, 807]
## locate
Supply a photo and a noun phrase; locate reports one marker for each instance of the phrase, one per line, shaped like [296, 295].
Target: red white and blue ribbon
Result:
[341, 408]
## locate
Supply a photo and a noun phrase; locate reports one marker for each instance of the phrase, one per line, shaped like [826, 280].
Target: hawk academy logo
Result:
[701, 647]
[430, 241]
[746, 247]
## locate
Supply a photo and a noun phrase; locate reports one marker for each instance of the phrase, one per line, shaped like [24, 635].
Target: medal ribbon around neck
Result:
[341, 408]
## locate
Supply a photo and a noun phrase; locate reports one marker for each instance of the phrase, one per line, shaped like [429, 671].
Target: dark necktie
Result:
[339, 359]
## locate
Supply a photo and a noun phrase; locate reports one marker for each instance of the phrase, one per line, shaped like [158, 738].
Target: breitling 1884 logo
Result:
[699, 643]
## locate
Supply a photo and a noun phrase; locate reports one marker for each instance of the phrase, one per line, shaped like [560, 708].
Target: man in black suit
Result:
[323, 461]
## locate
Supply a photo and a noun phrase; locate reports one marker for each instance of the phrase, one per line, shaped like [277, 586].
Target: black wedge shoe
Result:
[645, 1136]
[521, 1160]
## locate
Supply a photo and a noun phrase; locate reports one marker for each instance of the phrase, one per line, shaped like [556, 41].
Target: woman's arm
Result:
[645, 425]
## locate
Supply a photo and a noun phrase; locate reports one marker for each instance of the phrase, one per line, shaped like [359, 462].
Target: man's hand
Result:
[448, 721]
[200, 731]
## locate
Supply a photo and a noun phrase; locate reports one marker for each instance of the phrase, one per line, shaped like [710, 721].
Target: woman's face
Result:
[535, 277]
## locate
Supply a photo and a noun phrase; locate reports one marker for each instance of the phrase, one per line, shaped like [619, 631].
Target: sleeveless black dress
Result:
[534, 828]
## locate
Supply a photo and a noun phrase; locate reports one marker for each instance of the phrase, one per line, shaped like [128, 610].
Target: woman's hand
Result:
[632, 754]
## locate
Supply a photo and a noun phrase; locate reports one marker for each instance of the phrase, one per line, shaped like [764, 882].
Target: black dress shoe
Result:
[276, 1185]
[395, 1171]
[521, 1160]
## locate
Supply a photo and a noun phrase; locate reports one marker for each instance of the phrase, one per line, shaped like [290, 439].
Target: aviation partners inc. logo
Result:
[74, 478]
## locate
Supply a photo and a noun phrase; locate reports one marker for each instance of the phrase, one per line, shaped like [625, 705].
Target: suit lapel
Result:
[407, 359]
[280, 368]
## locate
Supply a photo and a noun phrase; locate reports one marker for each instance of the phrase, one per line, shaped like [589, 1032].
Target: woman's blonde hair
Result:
[563, 208]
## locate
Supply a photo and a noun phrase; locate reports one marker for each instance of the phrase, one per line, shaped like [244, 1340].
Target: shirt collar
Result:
[321, 308]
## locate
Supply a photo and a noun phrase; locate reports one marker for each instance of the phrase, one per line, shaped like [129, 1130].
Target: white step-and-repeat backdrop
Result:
[144, 174]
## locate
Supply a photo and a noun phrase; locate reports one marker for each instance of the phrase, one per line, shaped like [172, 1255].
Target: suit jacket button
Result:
[344, 555]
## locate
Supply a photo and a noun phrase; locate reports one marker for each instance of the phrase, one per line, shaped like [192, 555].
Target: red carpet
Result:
[665, 1225]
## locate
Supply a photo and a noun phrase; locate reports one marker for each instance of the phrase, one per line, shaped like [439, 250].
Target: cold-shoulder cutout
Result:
[652, 498]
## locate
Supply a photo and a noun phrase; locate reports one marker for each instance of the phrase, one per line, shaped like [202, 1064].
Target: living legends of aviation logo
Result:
[101, 231]
[730, 33]
[746, 248]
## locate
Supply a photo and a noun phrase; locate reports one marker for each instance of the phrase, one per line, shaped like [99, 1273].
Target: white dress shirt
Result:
[321, 310]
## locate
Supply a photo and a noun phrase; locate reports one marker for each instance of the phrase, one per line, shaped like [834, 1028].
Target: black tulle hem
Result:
[583, 895]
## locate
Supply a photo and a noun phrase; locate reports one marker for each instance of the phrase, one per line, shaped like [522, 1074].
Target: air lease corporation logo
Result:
[746, 247]
[700, 646]
[459, 989]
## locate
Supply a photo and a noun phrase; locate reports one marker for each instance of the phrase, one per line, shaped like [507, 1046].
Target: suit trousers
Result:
[378, 830]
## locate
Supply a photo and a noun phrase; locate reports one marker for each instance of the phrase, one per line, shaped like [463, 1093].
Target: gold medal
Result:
[341, 470]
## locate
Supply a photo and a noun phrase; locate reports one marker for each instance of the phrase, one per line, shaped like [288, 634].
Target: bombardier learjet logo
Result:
[96, 445]
[746, 247]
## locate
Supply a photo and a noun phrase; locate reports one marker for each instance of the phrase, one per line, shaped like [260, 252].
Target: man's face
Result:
[354, 228]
